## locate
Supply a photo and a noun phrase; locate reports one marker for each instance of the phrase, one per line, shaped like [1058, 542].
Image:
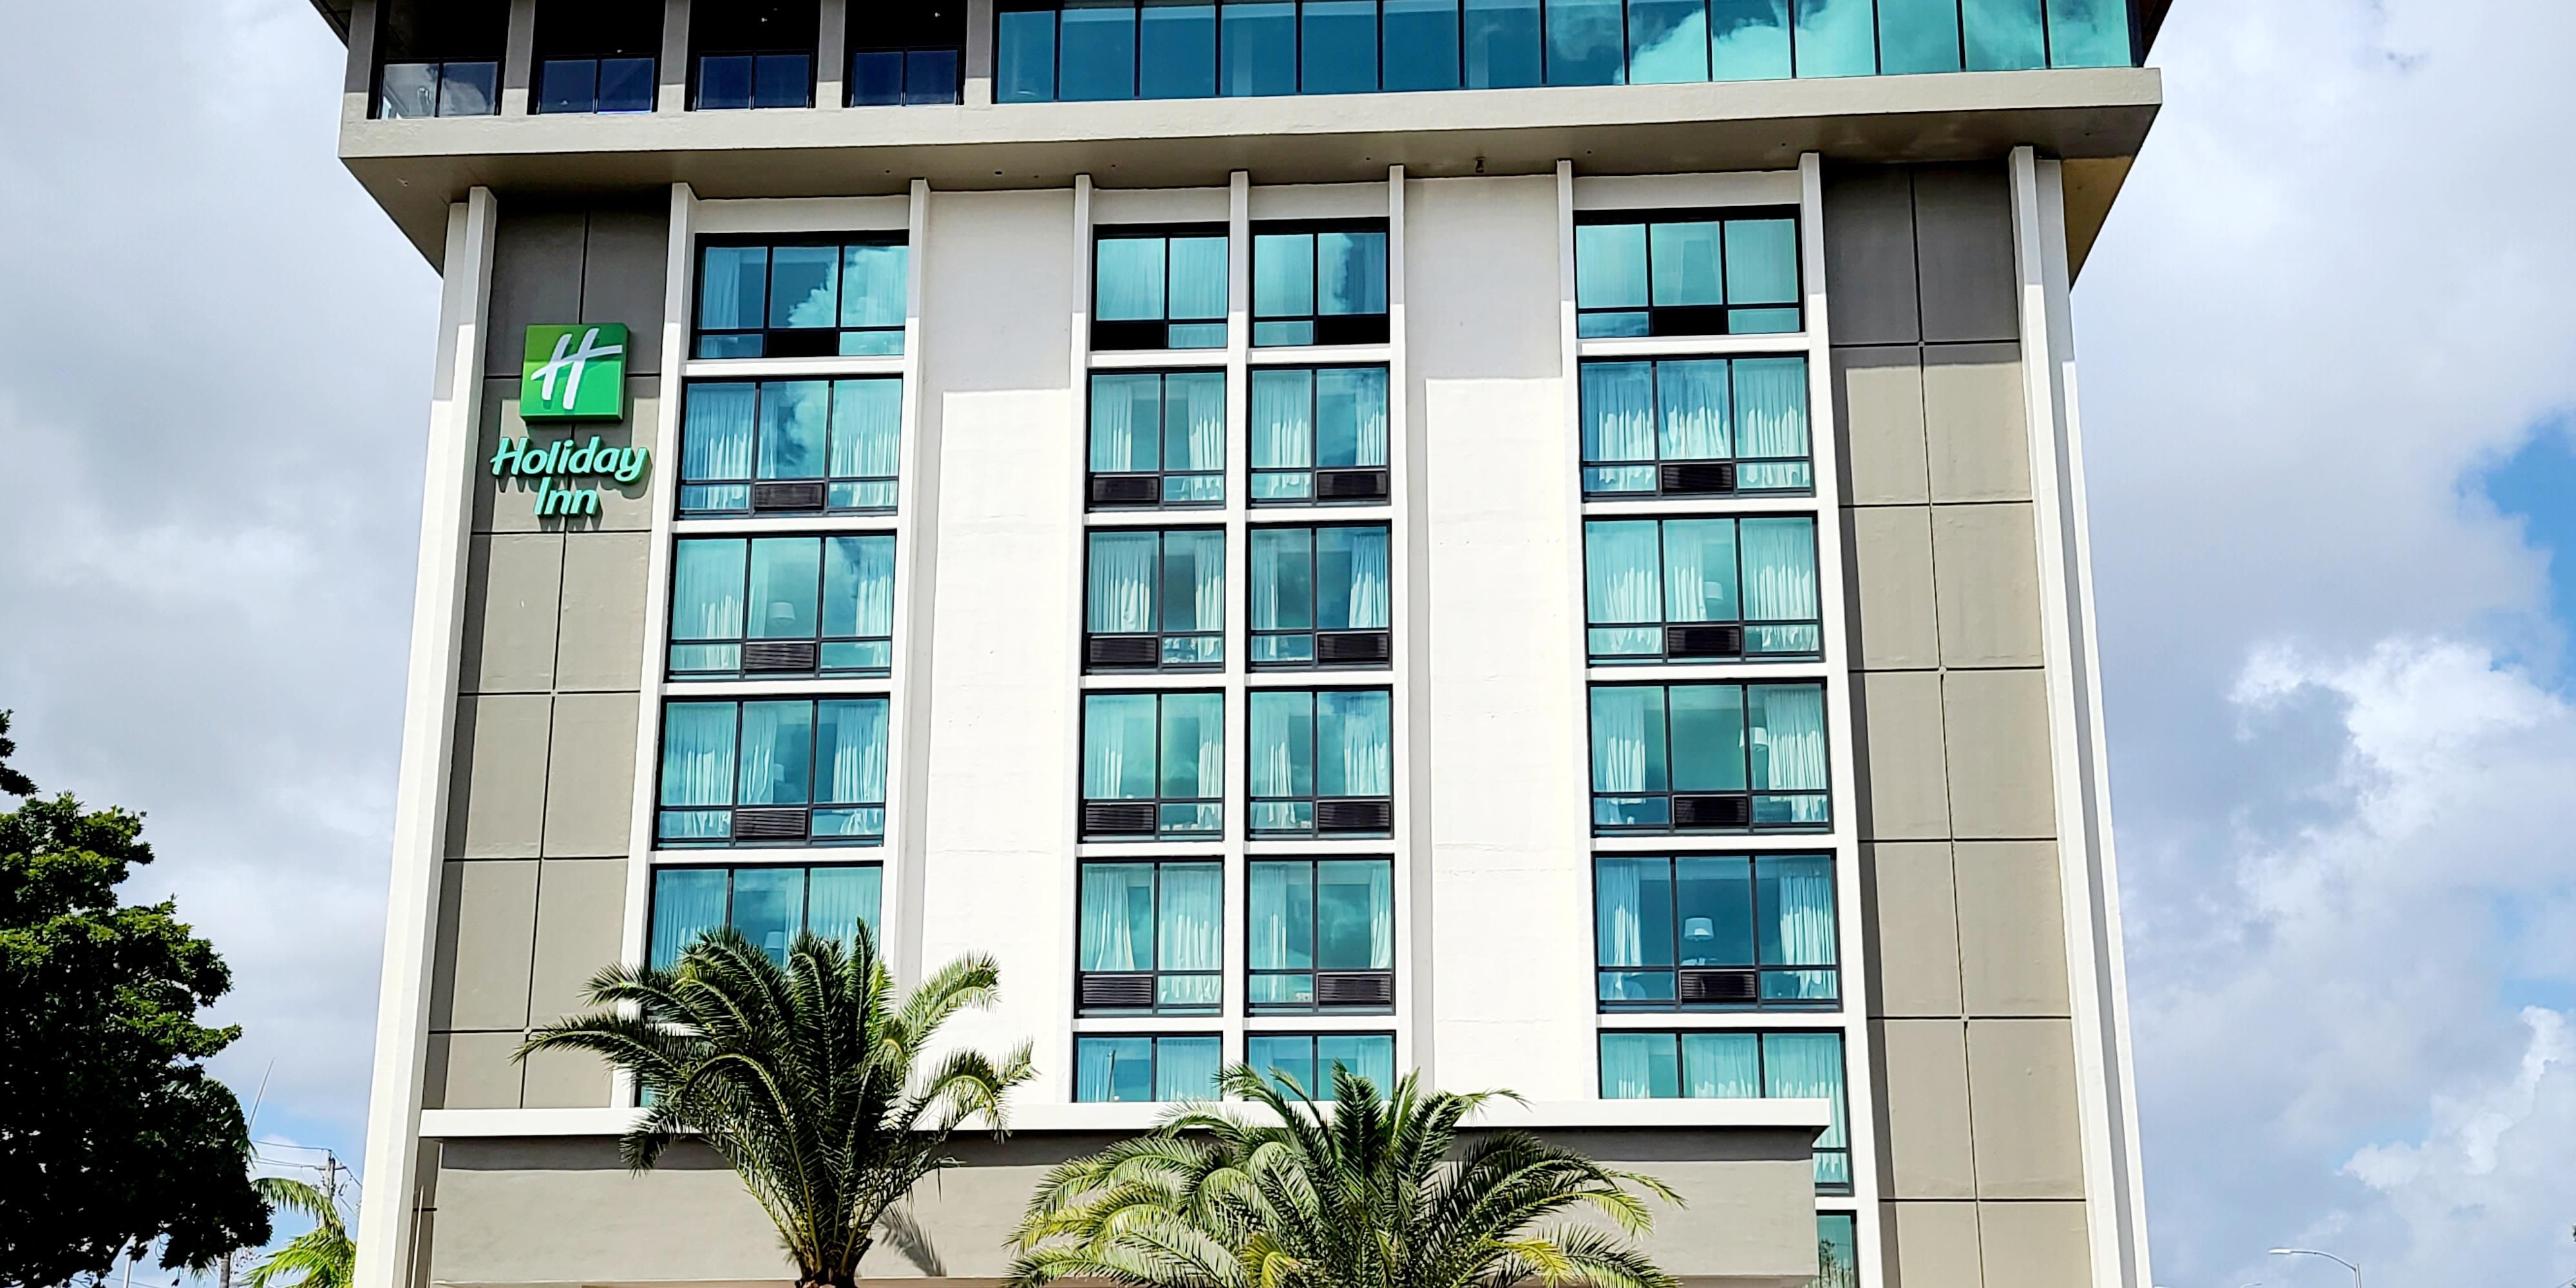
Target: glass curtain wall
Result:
[1695, 426]
[790, 446]
[1159, 289]
[1694, 273]
[782, 605]
[1715, 931]
[769, 905]
[1647, 582]
[786, 771]
[596, 55]
[907, 54]
[1708, 758]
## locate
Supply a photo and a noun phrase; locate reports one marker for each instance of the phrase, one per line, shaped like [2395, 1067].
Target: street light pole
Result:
[2312, 1252]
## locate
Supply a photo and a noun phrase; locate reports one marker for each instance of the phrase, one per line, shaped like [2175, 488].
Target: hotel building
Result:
[1538, 541]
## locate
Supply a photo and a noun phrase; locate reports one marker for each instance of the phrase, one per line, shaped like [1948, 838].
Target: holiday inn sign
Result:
[571, 373]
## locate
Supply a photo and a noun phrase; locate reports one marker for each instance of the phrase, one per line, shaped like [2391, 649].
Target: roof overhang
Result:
[336, 13]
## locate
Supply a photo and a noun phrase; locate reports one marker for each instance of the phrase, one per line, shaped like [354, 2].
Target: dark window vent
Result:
[1126, 489]
[1704, 641]
[1122, 652]
[769, 824]
[1720, 986]
[1351, 328]
[1354, 648]
[1350, 485]
[777, 497]
[1117, 992]
[778, 655]
[1118, 818]
[1376, 816]
[1695, 477]
[1713, 811]
[1355, 988]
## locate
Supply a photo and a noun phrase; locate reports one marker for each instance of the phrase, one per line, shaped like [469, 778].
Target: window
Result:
[1066, 50]
[790, 447]
[1154, 600]
[1322, 935]
[1736, 1066]
[1319, 434]
[768, 905]
[1319, 283]
[1157, 439]
[1695, 427]
[440, 57]
[596, 55]
[1320, 597]
[1696, 273]
[843, 297]
[1701, 589]
[1140, 1069]
[1708, 758]
[1837, 1251]
[763, 606]
[780, 771]
[1715, 931]
[1295, 1061]
[1149, 935]
[754, 53]
[907, 54]
[1153, 764]
[1158, 288]
[1323, 763]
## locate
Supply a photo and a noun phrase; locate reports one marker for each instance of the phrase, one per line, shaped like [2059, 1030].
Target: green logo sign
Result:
[574, 372]
[557, 467]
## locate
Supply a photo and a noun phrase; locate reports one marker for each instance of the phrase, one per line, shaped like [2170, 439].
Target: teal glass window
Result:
[1149, 937]
[1748, 40]
[1737, 1066]
[1157, 439]
[773, 772]
[1585, 43]
[1319, 284]
[1323, 763]
[1296, 1062]
[1259, 56]
[790, 447]
[844, 297]
[1321, 935]
[1154, 599]
[1837, 1250]
[1153, 765]
[782, 606]
[1686, 273]
[1320, 597]
[1144, 1069]
[1674, 590]
[1500, 43]
[769, 905]
[1319, 435]
[1337, 46]
[1712, 757]
[1176, 49]
[1024, 52]
[1419, 45]
[1715, 932]
[1695, 427]
[1158, 289]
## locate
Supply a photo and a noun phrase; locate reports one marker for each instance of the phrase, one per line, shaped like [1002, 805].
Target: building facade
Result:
[1538, 541]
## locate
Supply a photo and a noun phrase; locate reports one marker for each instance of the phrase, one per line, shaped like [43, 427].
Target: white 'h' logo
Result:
[572, 363]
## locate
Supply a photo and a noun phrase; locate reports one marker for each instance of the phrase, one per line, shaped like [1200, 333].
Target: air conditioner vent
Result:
[1731, 810]
[1118, 818]
[1375, 817]
[1704, 640]
[1354, 648]
[1122, 652]
[800, 494]
[1126, 489]
[1355, 988]
[1698, 477]
[778, 655]
[1720, 985]
[1350, 485]
[769, 823]
[1117, 992]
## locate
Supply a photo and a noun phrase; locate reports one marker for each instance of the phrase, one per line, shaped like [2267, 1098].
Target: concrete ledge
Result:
[1810, 1116]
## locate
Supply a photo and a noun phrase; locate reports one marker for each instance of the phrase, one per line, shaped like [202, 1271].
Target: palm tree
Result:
[1364, 1195]
[806, 1077]
[322, 1257]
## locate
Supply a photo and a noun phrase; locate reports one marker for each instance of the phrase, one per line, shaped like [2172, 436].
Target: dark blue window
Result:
[909, 53]
[754, 53]
[439, 57]
[596, 55]
[1176, 50]
[1421, 45]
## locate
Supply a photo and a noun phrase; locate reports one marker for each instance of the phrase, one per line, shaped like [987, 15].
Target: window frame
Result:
[1343, 328]
[1315, 634]
[1314, 937]
[751, 482]
[1752, 795]
[1081, 907]
[1162, 639]
[907, 37]
[1315, 801]
[1128, 335]
[1672, 321]
[1730, 466]
[796, 338]
[804, 914]
[822, 609]
[1321, 1094]
[1663, 626]
[1828, 1158]
[1763, 971]
[734, 805]
[1162, 476]
[1369, 484]
[1161, 804]
[1154, 1055]
[438, 94]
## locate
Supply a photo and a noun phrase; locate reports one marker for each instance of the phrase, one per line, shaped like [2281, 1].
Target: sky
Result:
[2330, 414]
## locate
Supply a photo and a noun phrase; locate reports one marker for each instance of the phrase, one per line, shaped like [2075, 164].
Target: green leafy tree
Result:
[811, 1078]
[112, 1134]
[322, 1257]
[1363, 1195]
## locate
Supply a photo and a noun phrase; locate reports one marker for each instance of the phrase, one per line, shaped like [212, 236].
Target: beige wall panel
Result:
[497, 807]
[487, 919]
[2012, 928]
[1890, 557]
[510, 505]
[623, 271]
[512, 585]
[604, 579]
[1764, 1183]
[534, 280]
[1907, 794]
[1869, 256]
[1923, 1074]
[2034, 1245]
[590, 784]
[2021, 1082]
[566, 1080]
[581, 917]
[1934, 1245]
[1997, 732]
[1963, 243]
[1986, 560]
[1878, 412]
[1978, 439]
[1914, 948]
[480, 1072]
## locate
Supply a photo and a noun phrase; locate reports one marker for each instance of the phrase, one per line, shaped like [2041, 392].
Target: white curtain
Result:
[1266, 939]
[1779, 570]
[1771, 400]
[853, 752]
[1118, 747]
[1200, 399]
[716, 443]
[1110, 925]
[1368, 562]
[1205, 714]
[1115, 443]
[1283, 419]
[1806, 903]
[1283, 731]
[1130, 277]
[873, 281]
[1275, 552]
[698, 753]
[1722, 1066]
[868, 563]
[1636, 1066]
[1202, 554]
[1623, 719]
[1193, 907]
[1621, 585]
[1382, 916]
[1806, 1066]
[1695, 422]
[764, 726]
[1350, 416]
[1619, 900]
[1357, 743]
[1122, 582]
[1185, 1068]
[867, 427]
[1618, 411]
[1791, 728]
[706, 591]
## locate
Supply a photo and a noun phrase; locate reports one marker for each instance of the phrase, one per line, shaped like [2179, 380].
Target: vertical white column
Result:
[832, 54]
[1414, 1048]
[900, 899]
[518, 58]
[1235, 814]
[672, 69]
[386, 1218]
[1059, 1055]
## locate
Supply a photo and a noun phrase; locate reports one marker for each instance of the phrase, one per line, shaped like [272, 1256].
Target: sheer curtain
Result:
[1193, 911]
[1381, 894]
[1695, 422]
[1771, 400]
[736, 288]
[1802, 920]
[1198, 277]
[1355, 743]
[1638, 1066]
[1619, 906]
[1610, 266]
[1117, 917]
[1130, 279]
[1116, 444]
[841, 899]
[1283, 733]
[853, 752]
[1623, 720]
[687, 902]
[1118, 746]
[866, 565]
[716, 444]
[1699, 570]
[706, 590]
[867, 428]
[1122, 582]
[1779, 570]
[1266, 943]
[1722, 1066]
[1791, 726]
[1283, 420]
[1350, 416]
[1808, 1066]
[1621, 585]
[697, 753]
[1368, 564]
[1618, 411]
[1198, 560]
[1195, 725]
[1194, 417]
[1185, 1068]
[1280, 560]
